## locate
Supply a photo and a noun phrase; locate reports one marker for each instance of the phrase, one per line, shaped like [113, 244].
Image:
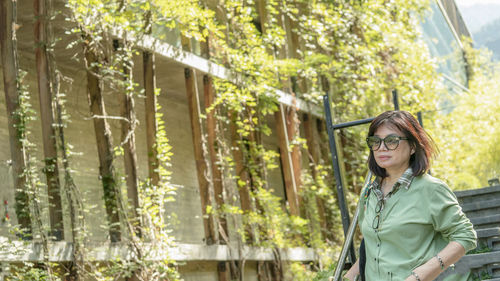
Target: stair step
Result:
[488, 232]
[494, 243]
[481, 205]
[485, 220]
[480, 260]
[472, 192]
[472, 261]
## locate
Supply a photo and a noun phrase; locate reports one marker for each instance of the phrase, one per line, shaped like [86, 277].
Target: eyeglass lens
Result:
[391, 142]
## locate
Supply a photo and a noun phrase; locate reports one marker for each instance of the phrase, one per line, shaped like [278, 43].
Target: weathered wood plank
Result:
[293, 132]
[148, 62]
[206, 66]
[481, 205]
[243, 180]
[468, 262]
[472, 192]
[485, 220]
[128, 125]
[212, 149]
[45, 95]
[286, 161]
[488, 232]
[104, 142]
[62, 251]
[8, 53]
[313, 155]
[201, 165]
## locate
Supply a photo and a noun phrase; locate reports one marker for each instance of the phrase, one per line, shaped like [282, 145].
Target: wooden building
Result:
[184, 75]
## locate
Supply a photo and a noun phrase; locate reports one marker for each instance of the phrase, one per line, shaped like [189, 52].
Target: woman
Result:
[411, 222]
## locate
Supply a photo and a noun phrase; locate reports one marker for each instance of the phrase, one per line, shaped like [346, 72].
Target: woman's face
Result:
[392, 160]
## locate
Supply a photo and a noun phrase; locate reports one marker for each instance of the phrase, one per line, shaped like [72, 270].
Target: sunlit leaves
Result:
[469, 135]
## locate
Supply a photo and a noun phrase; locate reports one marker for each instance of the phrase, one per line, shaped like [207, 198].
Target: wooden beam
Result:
[104, 142]
[262, 12]
[293, 131]
[128, 125]
[201, 165]
[213, 151]
[148, 61]
[61, 251]
[10, 74]
[313, 151]
[215, 70]
[286, 161]
[45, 95]
[222, 272]
[243, 180]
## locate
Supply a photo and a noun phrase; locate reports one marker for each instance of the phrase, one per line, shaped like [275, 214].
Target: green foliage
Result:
[468, 135]
[483, 275]
[482, 248]
[28, 273]
[356, 51]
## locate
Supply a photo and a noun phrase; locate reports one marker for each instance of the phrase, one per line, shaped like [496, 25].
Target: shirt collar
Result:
[404, 181]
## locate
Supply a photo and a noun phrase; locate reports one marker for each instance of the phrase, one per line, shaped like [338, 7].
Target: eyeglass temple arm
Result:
[348, 240]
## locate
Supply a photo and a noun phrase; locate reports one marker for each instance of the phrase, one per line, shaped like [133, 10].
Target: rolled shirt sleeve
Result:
[449, 219]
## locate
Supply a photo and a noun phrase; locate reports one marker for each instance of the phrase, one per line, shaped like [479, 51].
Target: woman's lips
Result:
[384, 157]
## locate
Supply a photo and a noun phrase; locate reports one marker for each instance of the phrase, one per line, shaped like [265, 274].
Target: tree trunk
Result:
[104, 144]
[51, 169]
[10, 76]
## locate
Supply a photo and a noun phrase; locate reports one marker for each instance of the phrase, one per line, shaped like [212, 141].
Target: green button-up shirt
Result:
[419, 217]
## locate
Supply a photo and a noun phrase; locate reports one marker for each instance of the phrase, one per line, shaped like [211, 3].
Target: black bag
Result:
[362, 260]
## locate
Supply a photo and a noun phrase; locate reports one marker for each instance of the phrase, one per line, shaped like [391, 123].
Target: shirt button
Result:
[378, 245]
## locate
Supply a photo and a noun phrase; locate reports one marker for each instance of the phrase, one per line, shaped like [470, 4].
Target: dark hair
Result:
[424, 145]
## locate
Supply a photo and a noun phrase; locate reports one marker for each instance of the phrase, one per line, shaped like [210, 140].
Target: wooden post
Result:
[313, 150]
[212, 149]
[8, 51]
[148, 60]
[243, 182]
[104, 143]
[325, 159]
[292, 131]
[201, 165]
[45, 94]
[130, 155]
[128, 124]
[286, 161]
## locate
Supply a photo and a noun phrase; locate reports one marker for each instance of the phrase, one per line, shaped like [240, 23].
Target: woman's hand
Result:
[352, 272]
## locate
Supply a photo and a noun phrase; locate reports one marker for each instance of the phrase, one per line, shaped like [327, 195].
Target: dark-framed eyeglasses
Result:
[391, 142]
[378, 210]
